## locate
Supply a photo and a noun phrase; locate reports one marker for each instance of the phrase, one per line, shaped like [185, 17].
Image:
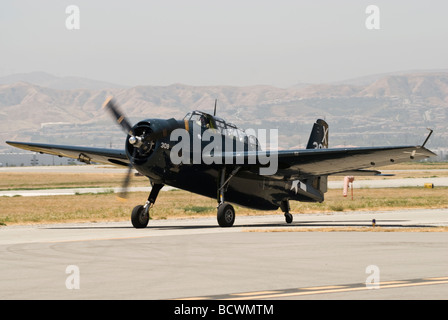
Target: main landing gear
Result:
[140, 214]
[226, 213]
[284, 205]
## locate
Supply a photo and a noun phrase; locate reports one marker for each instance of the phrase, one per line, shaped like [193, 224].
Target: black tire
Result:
[226, 215]
[138, 217]
[288, 217]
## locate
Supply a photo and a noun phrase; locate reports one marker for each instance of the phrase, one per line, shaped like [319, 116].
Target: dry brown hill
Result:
[392, 103]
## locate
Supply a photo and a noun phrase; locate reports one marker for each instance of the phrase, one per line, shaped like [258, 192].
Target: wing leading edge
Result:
[84, 154]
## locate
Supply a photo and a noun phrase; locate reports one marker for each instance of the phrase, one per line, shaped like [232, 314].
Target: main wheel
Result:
[288, 217]
[226, 215]
[139, 218]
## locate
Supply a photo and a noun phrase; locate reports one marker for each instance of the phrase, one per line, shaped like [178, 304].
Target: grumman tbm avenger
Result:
[206, 155]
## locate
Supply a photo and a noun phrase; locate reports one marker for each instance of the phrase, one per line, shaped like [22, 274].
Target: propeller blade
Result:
[119, 117]
[123, 194]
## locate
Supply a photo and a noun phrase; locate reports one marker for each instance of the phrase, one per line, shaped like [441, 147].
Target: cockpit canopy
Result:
[225, 128]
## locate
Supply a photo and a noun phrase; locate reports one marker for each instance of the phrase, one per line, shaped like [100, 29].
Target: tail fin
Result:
[319, 136]
[319, 140]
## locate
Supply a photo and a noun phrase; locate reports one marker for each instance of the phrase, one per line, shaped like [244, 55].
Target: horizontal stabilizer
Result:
[359, 173]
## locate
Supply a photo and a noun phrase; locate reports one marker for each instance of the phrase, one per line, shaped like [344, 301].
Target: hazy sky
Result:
[231, 42]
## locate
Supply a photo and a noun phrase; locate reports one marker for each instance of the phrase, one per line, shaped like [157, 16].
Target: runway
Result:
[196, 259]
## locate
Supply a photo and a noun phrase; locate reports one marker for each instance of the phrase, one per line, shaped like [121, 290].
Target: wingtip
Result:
[428, 152]
[12, 143]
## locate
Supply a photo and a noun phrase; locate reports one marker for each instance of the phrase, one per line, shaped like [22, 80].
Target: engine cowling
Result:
[140, 145]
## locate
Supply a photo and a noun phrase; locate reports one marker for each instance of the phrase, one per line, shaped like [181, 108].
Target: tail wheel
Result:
[226, 215]
[139, 217]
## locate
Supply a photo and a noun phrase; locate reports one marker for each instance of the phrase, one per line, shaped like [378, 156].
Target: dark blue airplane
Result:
[230, 170]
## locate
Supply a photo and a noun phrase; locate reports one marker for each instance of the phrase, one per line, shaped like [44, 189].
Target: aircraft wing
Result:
[291, 163]
[317, 162]
[84, 154]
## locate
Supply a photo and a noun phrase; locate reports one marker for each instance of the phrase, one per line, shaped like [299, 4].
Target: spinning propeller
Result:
[119, 117]
[142, 137]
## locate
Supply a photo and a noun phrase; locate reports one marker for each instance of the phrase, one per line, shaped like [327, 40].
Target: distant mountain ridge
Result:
[44, 79]
[392, 109]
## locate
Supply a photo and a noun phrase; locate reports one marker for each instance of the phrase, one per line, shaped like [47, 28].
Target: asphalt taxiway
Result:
[196, 259]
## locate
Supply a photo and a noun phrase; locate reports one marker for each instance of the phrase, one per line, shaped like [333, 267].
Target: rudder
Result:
[319, 140]
[319, 136]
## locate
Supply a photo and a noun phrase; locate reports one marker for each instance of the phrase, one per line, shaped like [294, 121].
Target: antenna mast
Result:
[214, 112]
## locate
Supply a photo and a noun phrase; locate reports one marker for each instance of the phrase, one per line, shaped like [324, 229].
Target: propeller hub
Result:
[136, 141]
[132, 140]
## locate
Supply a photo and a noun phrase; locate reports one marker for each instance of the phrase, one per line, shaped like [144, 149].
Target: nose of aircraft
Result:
[142, 138]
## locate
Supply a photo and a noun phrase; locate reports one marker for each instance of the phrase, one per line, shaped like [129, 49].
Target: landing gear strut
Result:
[285, 208]
[226, 213]
[140, 214]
